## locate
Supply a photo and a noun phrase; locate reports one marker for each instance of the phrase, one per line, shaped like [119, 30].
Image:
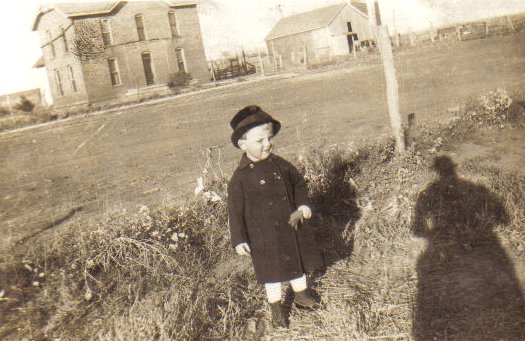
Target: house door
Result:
[351, 36]
[148, 68]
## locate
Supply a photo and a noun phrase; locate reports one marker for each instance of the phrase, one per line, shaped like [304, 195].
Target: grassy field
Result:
[143, 154]
[426, 245]
[391, 251]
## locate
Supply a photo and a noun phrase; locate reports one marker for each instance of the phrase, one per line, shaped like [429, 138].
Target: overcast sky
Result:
[230, 24]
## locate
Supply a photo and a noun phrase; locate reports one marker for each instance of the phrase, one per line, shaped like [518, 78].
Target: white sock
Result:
[273, 292]
[299, 284]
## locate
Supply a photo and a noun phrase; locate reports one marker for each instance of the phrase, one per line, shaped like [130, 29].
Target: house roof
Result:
[40, 62]
[360, 6]
[81, 9]
[77, 9]
[181, 3]
[308, 21]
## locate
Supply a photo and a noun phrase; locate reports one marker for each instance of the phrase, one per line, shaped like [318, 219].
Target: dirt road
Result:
[144, 154]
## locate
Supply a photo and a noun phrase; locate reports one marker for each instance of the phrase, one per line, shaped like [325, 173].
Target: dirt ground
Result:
[144, 154]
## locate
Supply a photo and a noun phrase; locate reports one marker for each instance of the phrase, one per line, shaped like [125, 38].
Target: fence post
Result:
[458, 32]
[392, 88]
[238, 65]
[244, 66]
[511, 26]
[397, 40]
[261, 62]
[411, 38]
[213, 72]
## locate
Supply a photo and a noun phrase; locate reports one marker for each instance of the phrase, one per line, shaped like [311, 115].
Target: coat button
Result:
[251, 165]
[262, 182]
[285, 198]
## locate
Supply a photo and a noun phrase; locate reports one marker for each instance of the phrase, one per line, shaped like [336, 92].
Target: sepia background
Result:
[115, 156]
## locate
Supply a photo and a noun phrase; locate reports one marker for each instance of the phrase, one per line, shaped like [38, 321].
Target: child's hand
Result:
[243, 249]
[295, 218]
[303, 212]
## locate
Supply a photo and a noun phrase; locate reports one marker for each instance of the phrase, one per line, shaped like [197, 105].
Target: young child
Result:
[267, 203]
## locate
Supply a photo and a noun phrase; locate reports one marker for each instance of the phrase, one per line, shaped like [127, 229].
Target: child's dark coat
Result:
[261, 197]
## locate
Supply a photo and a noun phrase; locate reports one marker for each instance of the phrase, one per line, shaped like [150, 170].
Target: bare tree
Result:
[87, 43]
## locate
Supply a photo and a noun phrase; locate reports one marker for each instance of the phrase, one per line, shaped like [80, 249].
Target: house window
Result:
[52, 46]
[66, 47]
[106, 32]
[181, 60]
[173, 24]
[139, 21]
[148, 68]
[58, 81]
[114, 72]
[72, 78]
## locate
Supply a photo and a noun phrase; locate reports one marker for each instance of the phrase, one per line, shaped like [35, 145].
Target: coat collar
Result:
[245, 161]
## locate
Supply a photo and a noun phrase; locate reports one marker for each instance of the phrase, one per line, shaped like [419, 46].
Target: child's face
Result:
[258, 142]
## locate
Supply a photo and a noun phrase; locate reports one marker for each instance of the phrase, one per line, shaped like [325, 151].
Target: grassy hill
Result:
[428, 244]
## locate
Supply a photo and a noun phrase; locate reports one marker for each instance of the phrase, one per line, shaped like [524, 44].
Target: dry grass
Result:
[170, 274]
[17, 118]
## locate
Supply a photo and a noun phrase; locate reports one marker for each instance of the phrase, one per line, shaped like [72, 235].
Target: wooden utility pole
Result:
[392, 88]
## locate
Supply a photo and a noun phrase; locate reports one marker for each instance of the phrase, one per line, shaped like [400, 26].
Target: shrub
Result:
[4, 111]
[496, 102]
[179, 79]
[25, 105]
[494, 109]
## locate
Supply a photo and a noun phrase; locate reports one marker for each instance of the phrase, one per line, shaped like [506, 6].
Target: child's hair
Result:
[269, 124]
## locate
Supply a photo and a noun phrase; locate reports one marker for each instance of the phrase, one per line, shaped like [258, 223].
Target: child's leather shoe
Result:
[278, 317]
[304, 299]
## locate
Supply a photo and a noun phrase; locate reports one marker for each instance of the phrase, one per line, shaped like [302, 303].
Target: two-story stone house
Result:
[106, 51]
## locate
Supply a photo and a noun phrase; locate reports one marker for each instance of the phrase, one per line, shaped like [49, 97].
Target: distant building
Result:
[10, 101]
[105, 51]
[326, 32]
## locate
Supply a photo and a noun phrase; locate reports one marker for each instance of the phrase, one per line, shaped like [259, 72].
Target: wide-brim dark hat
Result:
[249, 117]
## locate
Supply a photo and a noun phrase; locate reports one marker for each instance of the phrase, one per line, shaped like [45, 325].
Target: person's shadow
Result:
[467, 287]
